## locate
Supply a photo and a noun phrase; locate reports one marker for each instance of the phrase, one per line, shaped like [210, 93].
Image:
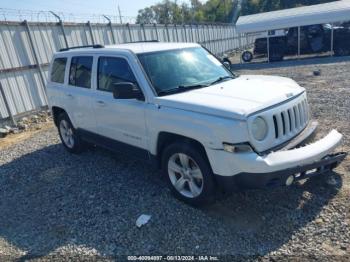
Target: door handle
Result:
[101, 103]
[70, 95]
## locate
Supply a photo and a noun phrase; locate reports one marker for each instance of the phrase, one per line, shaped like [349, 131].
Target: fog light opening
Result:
[290, 180]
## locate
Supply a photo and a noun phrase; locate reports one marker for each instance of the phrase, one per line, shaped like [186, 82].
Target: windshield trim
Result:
[138, 55]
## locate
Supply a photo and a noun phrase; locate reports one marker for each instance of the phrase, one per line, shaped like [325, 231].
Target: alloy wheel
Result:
[185, 175]
[67, 133]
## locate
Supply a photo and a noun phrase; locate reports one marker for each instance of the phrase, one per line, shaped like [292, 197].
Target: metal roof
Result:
[337, 11]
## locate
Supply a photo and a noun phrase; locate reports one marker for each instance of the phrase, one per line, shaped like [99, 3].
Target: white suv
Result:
[179, 106]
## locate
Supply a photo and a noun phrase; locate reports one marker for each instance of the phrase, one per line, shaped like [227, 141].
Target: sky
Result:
[128, 7]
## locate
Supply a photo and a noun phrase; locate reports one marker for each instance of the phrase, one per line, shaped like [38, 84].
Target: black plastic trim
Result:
[81, 46]
[278, 178]
[115, 146]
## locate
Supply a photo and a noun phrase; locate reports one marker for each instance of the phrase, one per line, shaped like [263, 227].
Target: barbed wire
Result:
[7, 14]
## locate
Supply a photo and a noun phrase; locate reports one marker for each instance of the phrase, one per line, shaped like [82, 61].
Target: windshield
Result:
[176, 71]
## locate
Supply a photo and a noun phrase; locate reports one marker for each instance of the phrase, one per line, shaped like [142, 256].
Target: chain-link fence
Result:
[26, 48]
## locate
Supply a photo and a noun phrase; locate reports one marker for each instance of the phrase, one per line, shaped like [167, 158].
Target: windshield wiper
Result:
[180, 88]
[192, 86]
[220, 79]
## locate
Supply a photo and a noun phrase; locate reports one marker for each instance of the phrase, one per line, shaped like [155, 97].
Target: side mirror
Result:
[127, 90]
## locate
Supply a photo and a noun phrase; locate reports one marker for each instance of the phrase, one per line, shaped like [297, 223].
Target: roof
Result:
[138, 47]
[337, 11]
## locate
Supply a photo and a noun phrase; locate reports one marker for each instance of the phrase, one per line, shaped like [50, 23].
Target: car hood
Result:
[236, 98]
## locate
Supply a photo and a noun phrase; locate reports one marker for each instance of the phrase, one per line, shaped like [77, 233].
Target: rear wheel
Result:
[247, 56]
[188, 173]
[69, 137]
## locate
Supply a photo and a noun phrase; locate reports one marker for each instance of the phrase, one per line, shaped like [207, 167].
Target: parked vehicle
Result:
[179, 106]
[313, 39]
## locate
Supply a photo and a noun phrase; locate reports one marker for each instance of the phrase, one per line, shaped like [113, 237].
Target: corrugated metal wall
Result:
[26, 50]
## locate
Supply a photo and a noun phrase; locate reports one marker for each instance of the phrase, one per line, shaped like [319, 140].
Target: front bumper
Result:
[253, 170]
[280, 178]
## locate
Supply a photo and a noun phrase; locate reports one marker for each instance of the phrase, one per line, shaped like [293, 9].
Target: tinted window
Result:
[80, 71]
[58, 69]
[113, 70]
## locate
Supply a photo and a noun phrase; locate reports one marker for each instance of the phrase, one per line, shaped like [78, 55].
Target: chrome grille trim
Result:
[285, 121]
[291, 120]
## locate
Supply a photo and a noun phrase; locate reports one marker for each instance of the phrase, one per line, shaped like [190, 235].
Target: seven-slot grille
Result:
[292, 120]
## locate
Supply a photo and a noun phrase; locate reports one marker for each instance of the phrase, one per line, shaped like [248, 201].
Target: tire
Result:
[247, 56]
[227, 61]
[188, 173]
[341, 51]
[276, 57]
[68, 135]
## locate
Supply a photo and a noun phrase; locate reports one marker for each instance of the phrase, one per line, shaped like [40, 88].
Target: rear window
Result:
[80, 71]
[58, 69]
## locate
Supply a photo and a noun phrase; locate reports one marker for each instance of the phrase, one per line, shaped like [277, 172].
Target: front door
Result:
[122, 120]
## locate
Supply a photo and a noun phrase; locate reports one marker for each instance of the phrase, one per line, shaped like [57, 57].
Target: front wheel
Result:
[188, 173]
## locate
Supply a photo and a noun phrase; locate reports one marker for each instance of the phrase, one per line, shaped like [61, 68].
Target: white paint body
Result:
[219, 113]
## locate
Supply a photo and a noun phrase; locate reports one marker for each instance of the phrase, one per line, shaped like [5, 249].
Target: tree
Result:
[146, 16]
[222, 11]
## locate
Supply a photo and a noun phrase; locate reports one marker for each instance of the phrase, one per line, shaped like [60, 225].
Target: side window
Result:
[80, 71]
[112, 70]
[58, 69]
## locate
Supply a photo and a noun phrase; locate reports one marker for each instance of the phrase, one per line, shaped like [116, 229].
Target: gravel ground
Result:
[54, 203]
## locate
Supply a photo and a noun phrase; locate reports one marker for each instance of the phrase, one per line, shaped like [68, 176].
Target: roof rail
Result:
[81, 46]
[142, 41]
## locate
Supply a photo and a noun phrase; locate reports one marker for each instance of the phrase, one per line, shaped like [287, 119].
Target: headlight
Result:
[259, 128]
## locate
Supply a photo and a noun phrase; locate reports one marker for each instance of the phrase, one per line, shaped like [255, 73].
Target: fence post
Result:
[129, 30]
[36, 58]
[332, 40]
[7, 105]
[192, 36]
[91, 33]
[205, 35]
[167, 32]
[184, 27]
[298, 42]
[240, 47]
[209, 37]
[110, 28]
[268, 46]
[144, 31]
[60, 23]
[198, 35]
[155, 27]
[177, 36]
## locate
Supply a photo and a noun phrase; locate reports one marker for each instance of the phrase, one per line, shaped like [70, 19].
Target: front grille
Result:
[291, 120]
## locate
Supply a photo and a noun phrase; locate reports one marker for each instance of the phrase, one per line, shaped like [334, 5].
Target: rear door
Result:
[79, 92]
[119, 119]
[56, 82]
